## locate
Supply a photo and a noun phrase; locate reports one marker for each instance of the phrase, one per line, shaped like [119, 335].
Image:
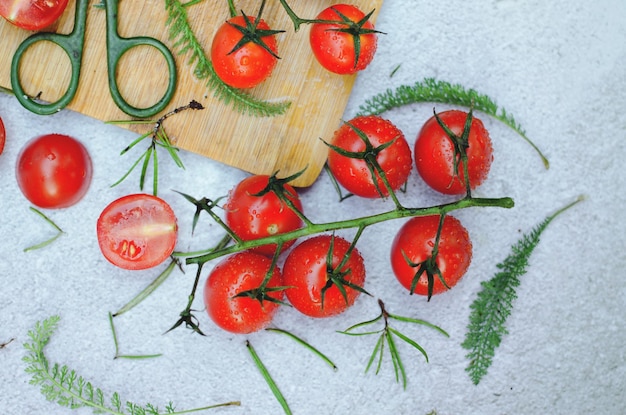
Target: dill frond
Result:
[64, 386]
[432, 90]
[186, 42]
[494, 303]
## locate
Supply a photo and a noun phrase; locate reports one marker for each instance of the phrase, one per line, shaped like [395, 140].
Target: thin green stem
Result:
[505, 202]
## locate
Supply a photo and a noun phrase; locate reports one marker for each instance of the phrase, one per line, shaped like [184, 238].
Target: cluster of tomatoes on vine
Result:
[321, 275]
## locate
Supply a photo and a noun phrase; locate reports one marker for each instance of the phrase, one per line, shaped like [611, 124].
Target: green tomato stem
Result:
[362, 222]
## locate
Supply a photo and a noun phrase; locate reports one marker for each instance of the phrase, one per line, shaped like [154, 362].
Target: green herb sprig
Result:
[65, 387]
[494, 303]
[158, 139]
[47, 241]
[436, 91]
[387, 335]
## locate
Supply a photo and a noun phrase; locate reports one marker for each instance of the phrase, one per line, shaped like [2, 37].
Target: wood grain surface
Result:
[262, 145]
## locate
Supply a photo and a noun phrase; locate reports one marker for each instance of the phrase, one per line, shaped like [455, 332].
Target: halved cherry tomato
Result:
[254, 217]
[3, 135]
[32, 14]
[413, 246]
[435, 156]
[137, 231]
[353, 173]
[54, 171]
[235, 274]
[313, 277]
[250, 63]
[336, 45]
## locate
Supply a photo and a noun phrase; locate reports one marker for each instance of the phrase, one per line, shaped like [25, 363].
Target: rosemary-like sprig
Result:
[158, 138]
[387, 336]
[436, 91]
[186, 42]
[494, 303]
[308, 346]
[118, 355]
[65, 387]
[268, 379]
[47, 241]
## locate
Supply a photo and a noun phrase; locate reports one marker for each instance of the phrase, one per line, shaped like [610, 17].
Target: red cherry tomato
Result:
[335, 45]
[54, 171]
[415, 242]
[250, 64]
[353, 173]
[253, 217]
[237, 273]
[32, 14]
[435, 158]
[3, 136]
[305, 272]
[137, 231]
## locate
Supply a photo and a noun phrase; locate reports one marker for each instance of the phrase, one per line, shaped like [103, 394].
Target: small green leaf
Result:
[48, 241]
[268, 379]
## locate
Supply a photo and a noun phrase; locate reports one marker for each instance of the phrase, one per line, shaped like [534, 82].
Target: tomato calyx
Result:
[369, 156]
[251, 33]
[277, 186]
[428, 266]
[335, 276]
[204, 204]
[354, 29]
[460, 145]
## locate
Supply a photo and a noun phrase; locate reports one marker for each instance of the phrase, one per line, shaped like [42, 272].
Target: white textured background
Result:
[559, 67]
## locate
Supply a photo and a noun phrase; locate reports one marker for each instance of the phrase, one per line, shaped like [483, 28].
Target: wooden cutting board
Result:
[262, 145]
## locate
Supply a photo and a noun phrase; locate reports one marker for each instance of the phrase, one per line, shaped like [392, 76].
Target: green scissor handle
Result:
[117, 46]
[72, 44]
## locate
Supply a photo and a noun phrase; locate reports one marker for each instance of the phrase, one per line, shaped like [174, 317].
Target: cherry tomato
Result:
[415, 242]
[336, 46]
[137, 231]
[3, 136]
[54, 171]
[247, 65]
[32, 14]
[306, 273]
[435, 155]
[353, 173]
[235, 274]
[252, 217]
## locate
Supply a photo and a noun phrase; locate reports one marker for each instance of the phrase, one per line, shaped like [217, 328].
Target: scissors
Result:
[73, 45]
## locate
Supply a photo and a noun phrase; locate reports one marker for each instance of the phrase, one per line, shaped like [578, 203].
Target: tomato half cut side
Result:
[32, 14]
[137, 231]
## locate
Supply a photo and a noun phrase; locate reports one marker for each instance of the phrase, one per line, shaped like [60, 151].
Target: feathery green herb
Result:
[432, 90]
[62, 385]
[187, 43]
[487, 321]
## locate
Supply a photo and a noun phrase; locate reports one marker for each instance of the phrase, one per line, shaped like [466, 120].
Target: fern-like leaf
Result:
[432, 90]
[186, 42]
[64, 386]
[494, 303]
